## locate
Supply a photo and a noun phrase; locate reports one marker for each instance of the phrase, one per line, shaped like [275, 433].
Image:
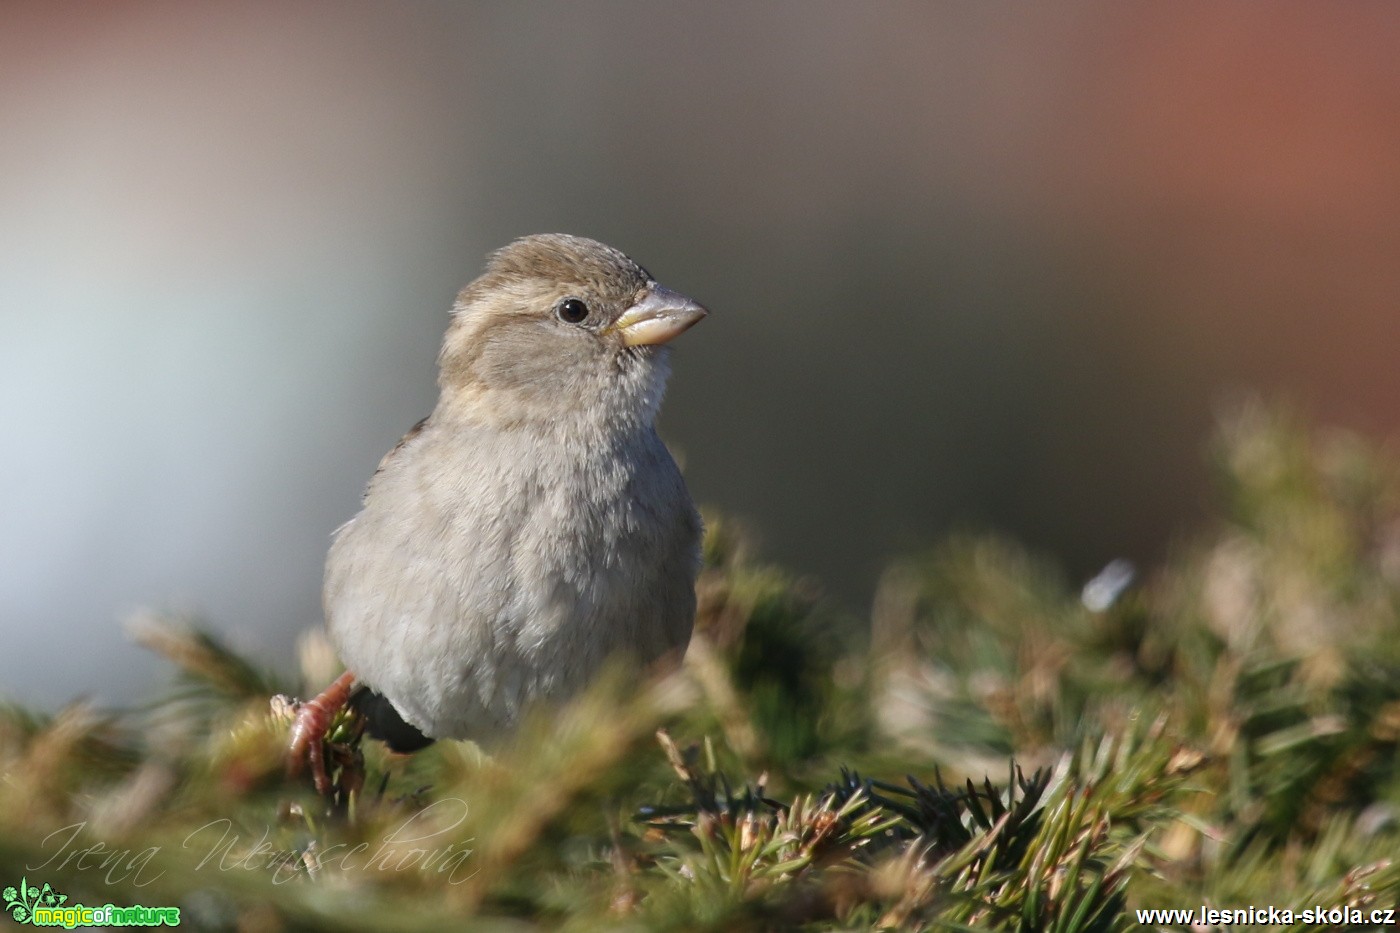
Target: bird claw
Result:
[309, 728]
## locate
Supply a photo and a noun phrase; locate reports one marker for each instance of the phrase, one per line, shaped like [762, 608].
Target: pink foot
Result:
[310, 727]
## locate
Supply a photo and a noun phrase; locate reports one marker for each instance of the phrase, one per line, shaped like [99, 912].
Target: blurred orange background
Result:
[970, 266]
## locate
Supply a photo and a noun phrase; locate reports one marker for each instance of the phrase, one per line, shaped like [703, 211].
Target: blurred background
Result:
[971, 266]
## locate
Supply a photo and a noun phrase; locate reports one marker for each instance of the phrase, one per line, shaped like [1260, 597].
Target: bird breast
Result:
[489, 568]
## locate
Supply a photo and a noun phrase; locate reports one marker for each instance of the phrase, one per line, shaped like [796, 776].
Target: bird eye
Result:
[572, 311]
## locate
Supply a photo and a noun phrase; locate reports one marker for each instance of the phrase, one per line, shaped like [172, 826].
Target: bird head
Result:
[560, 328]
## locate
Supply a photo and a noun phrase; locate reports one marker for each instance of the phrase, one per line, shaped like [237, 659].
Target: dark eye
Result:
[572, 311]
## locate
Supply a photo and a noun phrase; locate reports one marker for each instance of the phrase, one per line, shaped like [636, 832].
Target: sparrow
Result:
[533, 525]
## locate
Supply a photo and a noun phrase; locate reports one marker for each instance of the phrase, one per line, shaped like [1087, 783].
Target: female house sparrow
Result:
[530, 527]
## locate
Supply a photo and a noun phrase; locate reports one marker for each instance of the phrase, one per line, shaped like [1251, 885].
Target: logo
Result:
[45, 907]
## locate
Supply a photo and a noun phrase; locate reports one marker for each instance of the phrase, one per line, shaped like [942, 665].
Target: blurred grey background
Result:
[971, 266]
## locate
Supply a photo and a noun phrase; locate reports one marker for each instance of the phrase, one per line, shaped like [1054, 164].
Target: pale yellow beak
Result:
[659, 316]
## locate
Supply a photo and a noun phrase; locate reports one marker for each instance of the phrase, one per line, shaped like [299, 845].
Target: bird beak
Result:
[659, 316]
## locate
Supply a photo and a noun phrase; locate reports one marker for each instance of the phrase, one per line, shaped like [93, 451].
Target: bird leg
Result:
[313, 720]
